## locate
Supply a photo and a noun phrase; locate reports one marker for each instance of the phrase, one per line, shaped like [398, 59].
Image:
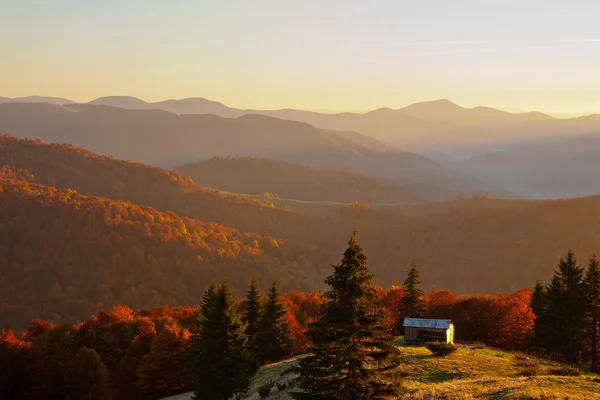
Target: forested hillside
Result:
[475, 245]
[293, 181]
[66, 166]
[65, 255]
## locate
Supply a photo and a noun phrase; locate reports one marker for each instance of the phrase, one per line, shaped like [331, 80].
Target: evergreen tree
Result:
[352, 355]
[592, 291]
[87, 377]
[411, 305]
[564, 320]
[274, 339]
[539, 305]
[253, 309]
[222, 364]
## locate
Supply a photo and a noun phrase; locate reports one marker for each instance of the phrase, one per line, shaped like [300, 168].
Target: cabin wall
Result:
[450, 334]
[410, 333]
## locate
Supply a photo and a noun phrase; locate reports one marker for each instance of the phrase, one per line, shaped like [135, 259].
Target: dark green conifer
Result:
[221, 362]
[352, 355]
[274, 339]
[564, 320]
[411, 305]
[539, 305]
[592, 292]
[253, 309]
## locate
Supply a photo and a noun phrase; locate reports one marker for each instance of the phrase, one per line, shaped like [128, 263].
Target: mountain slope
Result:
[68, 167]
[161, 138]
[293, 181]
[64, 255]
[565, 168]
[469, 246]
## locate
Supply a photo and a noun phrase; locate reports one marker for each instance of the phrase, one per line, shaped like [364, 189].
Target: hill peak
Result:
[434, 105]
[120, 101]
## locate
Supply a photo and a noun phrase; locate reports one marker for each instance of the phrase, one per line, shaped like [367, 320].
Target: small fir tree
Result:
[539, 305]
[274, 339]
[592, 292]
[565, 316]
[222, 364]
[253, 309]
[412, 304]
[352, 355]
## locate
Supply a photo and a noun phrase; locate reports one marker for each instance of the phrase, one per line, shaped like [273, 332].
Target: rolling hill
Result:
[566, 168]
[469, 245]
[161, 138]
[293, 181]
[65, 255]
[67, 167]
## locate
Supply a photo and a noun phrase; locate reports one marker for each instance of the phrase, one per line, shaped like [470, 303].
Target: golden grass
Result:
[469, 373]
[487, 373]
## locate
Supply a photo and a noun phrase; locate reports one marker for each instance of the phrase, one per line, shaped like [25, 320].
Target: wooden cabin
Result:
[419, 330]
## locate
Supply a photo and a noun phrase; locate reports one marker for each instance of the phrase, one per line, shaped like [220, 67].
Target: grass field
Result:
[328, 209]
[472, 372]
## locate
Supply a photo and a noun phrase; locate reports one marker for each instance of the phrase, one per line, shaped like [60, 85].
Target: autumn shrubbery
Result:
[441, 349]
[566, 370]
[527, 366]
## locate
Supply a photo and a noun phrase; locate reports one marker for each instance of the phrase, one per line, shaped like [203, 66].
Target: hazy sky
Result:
[311, 54]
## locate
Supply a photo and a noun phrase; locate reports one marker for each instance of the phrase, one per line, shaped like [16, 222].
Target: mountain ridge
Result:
[419, 126]
[171, 140]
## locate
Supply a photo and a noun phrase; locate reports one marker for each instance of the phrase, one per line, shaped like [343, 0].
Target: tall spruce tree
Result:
[411, 305]
[352, 355]
[592, 292]
[221, 362]
[253, 309]
[564, 319]
[274, 339]
[539, 305]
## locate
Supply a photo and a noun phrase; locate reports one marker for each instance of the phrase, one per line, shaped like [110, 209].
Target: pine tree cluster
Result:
[568, 312]
[231, 345]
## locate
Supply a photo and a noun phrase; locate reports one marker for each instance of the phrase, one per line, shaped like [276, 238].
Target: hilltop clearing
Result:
[471, 372]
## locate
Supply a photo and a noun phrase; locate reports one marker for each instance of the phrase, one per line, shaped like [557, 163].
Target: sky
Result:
[336, 55]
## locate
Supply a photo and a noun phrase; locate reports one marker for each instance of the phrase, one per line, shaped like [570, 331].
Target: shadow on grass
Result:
[439, 377]
[413, 358]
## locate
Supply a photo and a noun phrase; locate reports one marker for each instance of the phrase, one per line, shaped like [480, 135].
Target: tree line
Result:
[567, 313]
[162, 351]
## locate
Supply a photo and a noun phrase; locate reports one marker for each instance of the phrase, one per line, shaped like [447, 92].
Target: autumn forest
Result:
[113, 272]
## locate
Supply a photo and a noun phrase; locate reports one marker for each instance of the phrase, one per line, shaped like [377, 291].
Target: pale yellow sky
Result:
[336, 55]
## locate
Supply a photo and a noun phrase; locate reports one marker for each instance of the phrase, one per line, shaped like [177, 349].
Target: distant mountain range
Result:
[421, 126]
[562, 168]
[162, 138]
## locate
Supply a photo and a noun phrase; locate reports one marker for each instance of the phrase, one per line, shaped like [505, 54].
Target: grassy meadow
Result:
[472, 372]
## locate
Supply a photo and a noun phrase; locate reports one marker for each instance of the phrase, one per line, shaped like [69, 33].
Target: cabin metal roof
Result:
[427, 323]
